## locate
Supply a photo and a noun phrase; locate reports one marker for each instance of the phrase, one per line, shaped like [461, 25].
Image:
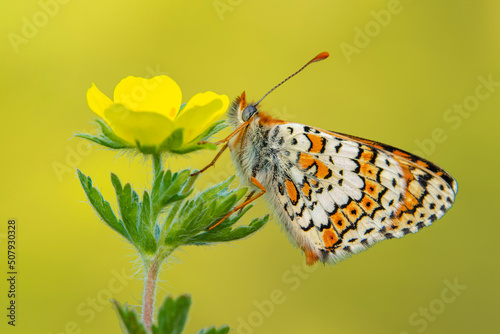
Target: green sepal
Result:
[101, 206]
[212, 330]
[210, 132]
[172, 316]
[106, 138]
[146, 149]
[129, 320]
[110, 134]
[174, 143]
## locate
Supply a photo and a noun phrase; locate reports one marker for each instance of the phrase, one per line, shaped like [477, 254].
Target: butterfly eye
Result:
[248, 112]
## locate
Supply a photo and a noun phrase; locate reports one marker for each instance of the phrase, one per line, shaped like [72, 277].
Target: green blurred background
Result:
[396, 84]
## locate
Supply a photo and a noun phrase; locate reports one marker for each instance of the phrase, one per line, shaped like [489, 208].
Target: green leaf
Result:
[115, 181]
[189, 224]
[169, 188]
[101, 206]
[146, 211]
[227, 234]
[129, 320]
[127, 202]
[210, 192]
[135, 215]
[172, 316]
[212, 330]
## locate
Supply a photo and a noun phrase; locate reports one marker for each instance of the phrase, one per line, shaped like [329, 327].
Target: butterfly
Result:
[334, 193]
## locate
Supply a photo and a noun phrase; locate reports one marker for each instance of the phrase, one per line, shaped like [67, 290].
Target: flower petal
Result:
[159, 94]
[98, 102]
[200, 112]
[148, 128]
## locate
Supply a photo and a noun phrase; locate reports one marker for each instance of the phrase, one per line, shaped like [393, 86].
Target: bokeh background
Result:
[389, 79]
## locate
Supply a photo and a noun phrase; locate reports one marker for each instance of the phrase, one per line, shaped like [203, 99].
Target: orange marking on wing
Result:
[422, 163]
[368, 205]
[407, 174]
[352, 211]
[401, 154]
[311, 257]
[292, 191]
[330, 237]
[305, 161]
[375, 144]
[366, 156]
[306, 189]
[317, 143]
[368, 170]
[409, 201]
[416, 189]
[322, 170]
[267, 120]
[373, 188]
[339, 221]
[313, 182]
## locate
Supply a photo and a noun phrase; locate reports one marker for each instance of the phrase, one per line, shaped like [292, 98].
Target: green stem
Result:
[152, 266]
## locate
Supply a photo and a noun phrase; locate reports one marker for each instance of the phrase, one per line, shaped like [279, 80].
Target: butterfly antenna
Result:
[321, 56]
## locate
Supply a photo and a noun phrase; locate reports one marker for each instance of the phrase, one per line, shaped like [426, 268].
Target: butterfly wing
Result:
[339, 194]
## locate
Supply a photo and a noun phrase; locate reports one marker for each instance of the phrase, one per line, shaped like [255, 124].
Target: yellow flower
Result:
[145, 112]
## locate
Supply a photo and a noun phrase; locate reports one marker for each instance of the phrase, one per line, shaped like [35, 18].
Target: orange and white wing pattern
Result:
[338, 194]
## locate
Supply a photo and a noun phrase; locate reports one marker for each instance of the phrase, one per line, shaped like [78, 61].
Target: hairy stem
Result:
[152, 266]
[150, 292]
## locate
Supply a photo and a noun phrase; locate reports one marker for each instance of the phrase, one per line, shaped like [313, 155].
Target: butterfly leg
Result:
[245, 203]
[225, 140]
[246, 199]
[213, 161]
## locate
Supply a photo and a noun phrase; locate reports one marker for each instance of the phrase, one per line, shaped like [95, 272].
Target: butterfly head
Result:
[248, 112]
[241, 111]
